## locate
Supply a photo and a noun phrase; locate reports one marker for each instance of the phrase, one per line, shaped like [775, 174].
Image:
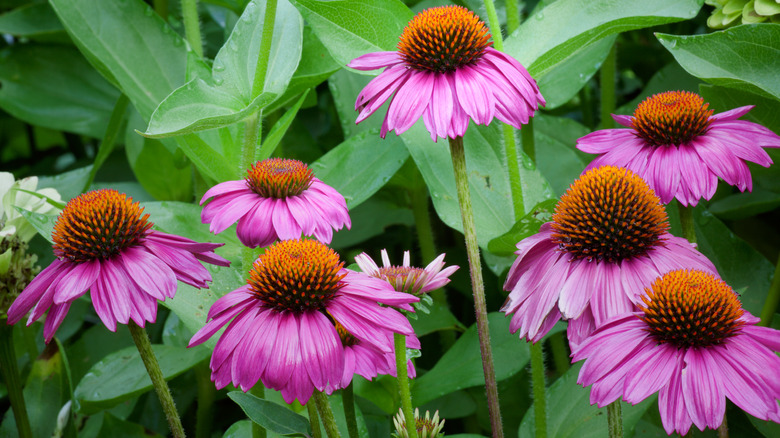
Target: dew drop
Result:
[232, 46]
[218, 80]
[540, 16]
[178, 42]
[149, 11]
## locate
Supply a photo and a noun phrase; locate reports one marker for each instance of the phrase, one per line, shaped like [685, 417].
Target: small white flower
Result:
[23, 194]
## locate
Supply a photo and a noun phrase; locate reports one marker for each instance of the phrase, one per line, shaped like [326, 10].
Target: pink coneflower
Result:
[609, 237]
[694, 345]
[284, 332]
[368, 361]
[280, 199]
[680, 148]
[104, 244]
[407, 278]
[446, 72]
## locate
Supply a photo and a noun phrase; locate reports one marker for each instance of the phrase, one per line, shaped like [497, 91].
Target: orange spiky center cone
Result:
[443, 38]
[690, 308]
[98, 225]
[403, 278]
[279, 178]
[609, 214]
[296, 275]
[672, 118]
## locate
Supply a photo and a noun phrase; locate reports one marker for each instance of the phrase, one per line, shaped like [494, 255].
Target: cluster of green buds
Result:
[17, 269]
[733, 12]
[426, 427]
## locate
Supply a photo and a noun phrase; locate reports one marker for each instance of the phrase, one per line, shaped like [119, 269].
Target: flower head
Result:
[104, 243]
[691, 342]
[23, 194]
[407, 278]
[427, 427]
[446, 72]
[680, 148]
[609, 236]
[294, 320]
[280, 199]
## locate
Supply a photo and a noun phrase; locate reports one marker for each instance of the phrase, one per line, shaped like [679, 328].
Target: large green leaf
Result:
[489, 183]
[55, 87]
[505, 245]
[572, 415]
[351, 29]
[227, 97]
[563, 28]
[556, 157]
[745, 57]
[461, 366]
[33, 20]
[271, 416]
[118, 428]
[121, 375]
[361, 165]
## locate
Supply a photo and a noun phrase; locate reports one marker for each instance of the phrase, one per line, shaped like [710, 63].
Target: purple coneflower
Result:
[608, 237]
[368, 361]
[692, 343]
[407, 278]
[680, 148]
[446, 72]
[104, 243]
[280, 199]
[283, 329]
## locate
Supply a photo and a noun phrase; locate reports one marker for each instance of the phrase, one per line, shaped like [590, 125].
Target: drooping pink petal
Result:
[77, 281]
[31, 295]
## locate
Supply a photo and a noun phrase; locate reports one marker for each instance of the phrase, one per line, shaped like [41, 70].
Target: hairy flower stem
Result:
[144, 346]
[348, 400]
[258, 391]
[206, 395]
[608, 70]
[615, 419]
[314, 420]
[772, 299]
[326, 414]
[399, 341]
[189, 12]
[538, 388]
[686, 221]
[10, 374]
[478, 286]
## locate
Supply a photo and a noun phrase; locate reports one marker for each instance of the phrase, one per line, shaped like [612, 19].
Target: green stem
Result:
[314, 420]
[608, 70]
[189, 12]
[109, 138]
[403, 384]
[723, 429]
[422, 223]
[686, 221]
[538, 388]
[206, 395]
[527, 137]
[326, 414]
[252, 138]
[560, 355]
[615, 419]
[258, 391]
[10, 374]
[144, 346]
[587, 112]
[348, 399]
[512, 8]
[510, 144]
[258, 83]
[772, 299]
[477, 284]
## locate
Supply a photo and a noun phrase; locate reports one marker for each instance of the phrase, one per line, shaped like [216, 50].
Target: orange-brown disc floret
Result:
[279, 178]
[672, 118]
[689, 308]
[346, 337]
[97, 225]
[397, 276]
[443, 38]
[296, 275]
[608, 214]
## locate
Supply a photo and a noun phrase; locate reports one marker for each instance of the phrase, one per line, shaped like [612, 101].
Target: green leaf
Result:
[227, 97]
[68, 184]
[505, 245]
[280, 128]
[121, 375]
[351, 29]
[745, 57]
[361, 165]
[31, 20]
[271, 416]
[490, 192]
[744, 205]
[118, 428]
[43, 224]
[370, 219]
[461, 366]
[572, 415]
[767, 428]
[557, 158]
[55, 87]
[670, 77]
[563, 28]
[723, 99]
[439, 318]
